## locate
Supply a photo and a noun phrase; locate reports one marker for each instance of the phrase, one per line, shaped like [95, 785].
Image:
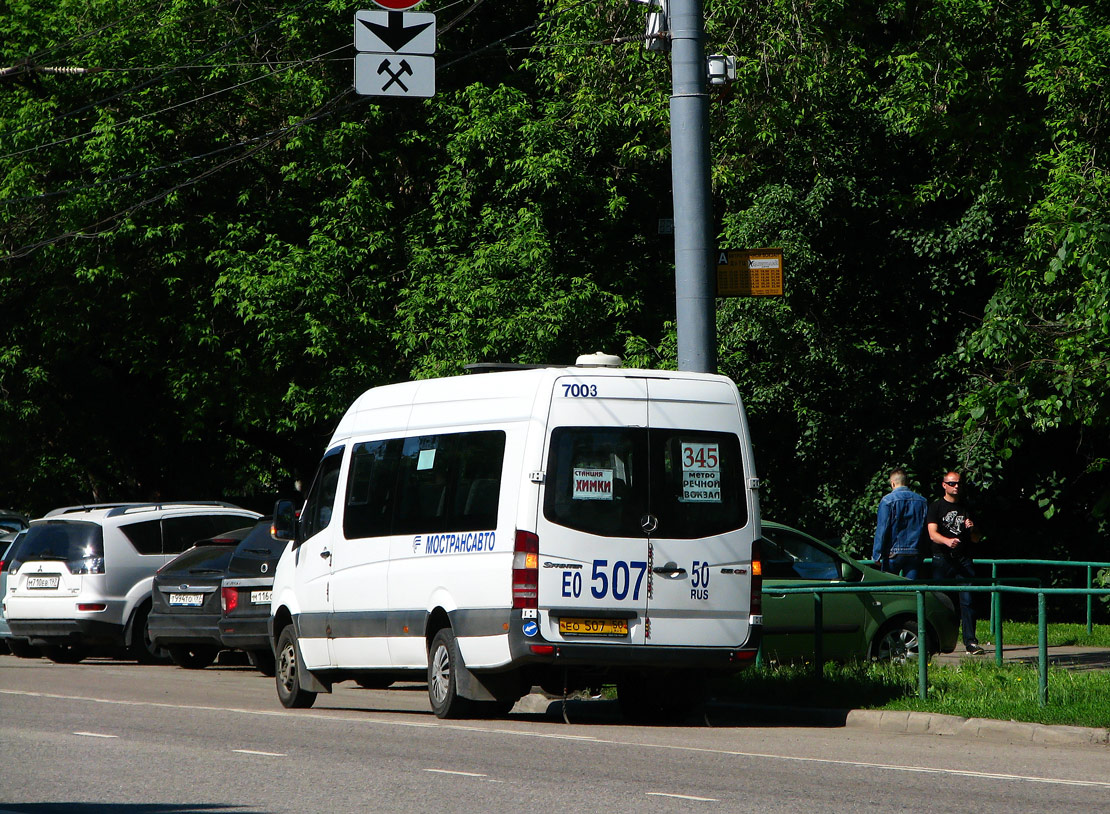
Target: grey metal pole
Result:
[695, 283]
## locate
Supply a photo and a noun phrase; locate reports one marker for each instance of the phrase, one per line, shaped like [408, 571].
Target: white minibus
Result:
[559, 527]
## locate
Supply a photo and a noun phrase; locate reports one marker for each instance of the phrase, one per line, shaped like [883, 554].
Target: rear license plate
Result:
[36, 582]
[593, 627]
[190, 600]
[261, 597]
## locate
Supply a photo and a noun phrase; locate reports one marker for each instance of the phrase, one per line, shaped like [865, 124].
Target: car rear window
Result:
[74, 543]
[207, 559]
[606, 480]
[258, 547]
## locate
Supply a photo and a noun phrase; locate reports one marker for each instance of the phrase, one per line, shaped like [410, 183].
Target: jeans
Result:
[957, 570]
[905, 564]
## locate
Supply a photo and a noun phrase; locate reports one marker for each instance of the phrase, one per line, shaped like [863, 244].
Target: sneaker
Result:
[973, 648]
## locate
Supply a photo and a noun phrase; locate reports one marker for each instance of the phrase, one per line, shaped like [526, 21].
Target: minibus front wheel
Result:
[287, 673]
[443, 662]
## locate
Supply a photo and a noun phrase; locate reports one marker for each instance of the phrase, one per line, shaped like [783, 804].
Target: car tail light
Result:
[229, 599]
[91, 606]
[757, 579]
[526, 570]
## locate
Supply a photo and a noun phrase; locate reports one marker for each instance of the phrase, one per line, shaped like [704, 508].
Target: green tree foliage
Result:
[880, 155]
[1041, 354]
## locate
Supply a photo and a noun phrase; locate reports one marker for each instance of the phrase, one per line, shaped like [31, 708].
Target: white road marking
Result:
[95, 735]
[682, 797]
[463, 774]
[264, 754]
[1022, 778]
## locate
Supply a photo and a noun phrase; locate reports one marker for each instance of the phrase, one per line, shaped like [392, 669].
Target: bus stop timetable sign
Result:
[749, 273]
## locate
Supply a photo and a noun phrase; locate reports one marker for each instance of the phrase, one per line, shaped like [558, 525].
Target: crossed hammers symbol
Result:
[395, 77]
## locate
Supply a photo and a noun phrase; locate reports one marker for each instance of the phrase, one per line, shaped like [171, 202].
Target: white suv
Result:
[81, 577]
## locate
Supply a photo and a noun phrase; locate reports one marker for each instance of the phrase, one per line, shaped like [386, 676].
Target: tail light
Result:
[526, 570]
[757, 579]
[91, 606]
[229, 599]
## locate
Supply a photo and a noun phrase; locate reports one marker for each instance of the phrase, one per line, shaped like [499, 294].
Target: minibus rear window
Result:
[605, 480]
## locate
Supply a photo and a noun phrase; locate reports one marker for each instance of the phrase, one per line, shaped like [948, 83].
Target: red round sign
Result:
[398, 5]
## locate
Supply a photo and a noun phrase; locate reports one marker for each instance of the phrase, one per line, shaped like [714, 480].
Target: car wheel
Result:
[23, 649]
[443, 660]
[286, 673]
[65, 653]
[896, 641]
[192, 656]
[263, 661]
[143, 649]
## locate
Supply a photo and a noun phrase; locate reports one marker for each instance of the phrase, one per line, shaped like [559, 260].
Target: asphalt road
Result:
[105, 736]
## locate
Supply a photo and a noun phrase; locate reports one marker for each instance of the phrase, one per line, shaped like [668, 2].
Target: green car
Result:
[871, 625]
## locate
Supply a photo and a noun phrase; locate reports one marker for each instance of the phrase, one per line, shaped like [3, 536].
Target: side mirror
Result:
[284, 525]
[849, 573]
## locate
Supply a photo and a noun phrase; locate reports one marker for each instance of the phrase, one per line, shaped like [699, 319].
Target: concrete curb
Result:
[985, 728]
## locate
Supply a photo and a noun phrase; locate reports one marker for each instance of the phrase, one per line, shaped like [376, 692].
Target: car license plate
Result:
[36, 582]
[261, 597]
[593, 627]
[190, 600]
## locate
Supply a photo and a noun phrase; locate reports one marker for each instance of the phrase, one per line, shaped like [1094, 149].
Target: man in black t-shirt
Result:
[953, 535]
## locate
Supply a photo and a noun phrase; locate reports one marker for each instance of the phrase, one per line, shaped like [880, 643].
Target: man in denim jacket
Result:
[899, 528]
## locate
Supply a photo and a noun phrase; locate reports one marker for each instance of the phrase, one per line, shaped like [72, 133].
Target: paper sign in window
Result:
[593, 484]
[701, 473]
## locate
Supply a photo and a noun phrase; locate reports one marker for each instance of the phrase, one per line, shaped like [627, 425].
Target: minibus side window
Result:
[449, 482]
[595, 481]
[371, 485]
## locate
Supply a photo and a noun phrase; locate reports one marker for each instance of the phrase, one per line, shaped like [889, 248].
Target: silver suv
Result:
[80, 580]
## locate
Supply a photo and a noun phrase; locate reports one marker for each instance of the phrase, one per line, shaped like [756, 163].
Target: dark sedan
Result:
[246, 596]
[185, 608]
[214, 598]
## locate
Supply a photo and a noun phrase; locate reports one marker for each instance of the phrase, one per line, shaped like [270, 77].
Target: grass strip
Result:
[1025, 633]
[973, 689]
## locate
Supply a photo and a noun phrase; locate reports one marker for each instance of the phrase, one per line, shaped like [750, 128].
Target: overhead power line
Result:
[271, 137]
[96, 229]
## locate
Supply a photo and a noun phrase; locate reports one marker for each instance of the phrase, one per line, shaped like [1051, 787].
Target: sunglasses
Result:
[950, 482]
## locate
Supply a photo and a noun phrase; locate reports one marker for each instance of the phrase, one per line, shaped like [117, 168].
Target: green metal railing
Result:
[1089, 566]
[996, 598]
[920, 588]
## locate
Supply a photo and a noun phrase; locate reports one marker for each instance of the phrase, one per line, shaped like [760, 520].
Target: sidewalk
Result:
[1069, 657]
